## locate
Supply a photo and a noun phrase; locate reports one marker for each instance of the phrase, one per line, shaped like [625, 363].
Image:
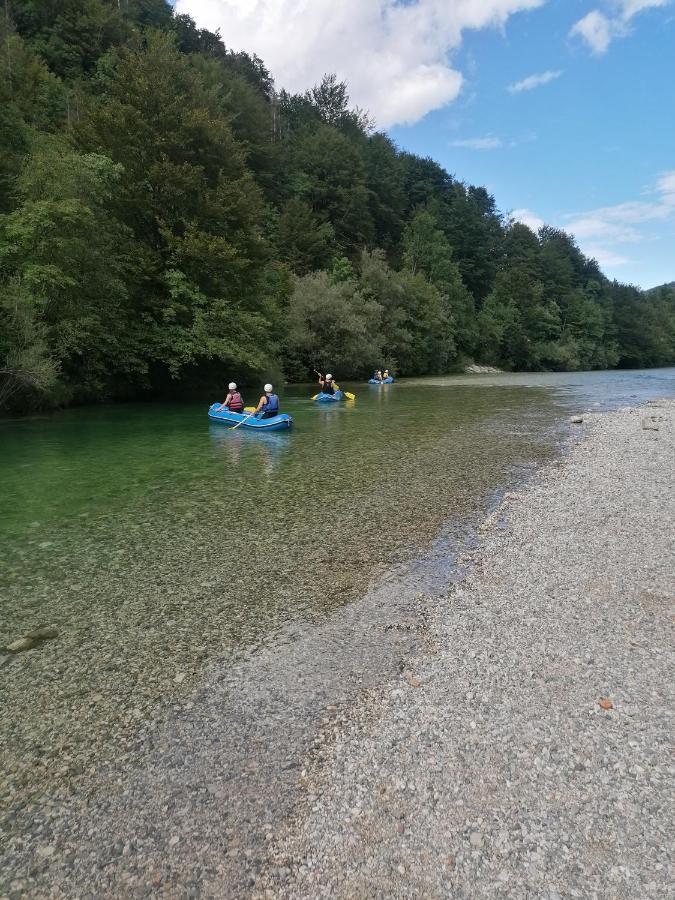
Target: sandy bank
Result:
[527, 753]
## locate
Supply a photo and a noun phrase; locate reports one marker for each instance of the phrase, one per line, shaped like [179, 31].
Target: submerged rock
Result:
[577, 420]
[43, 633]
[24, 643]
[32, 638]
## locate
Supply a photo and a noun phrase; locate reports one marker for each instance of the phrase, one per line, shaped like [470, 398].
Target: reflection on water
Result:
[261, 450]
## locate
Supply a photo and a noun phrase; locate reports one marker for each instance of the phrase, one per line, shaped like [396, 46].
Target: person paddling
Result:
[234, 402]
[378, 376]
[268, 405]
[327, 385]
[386, 374]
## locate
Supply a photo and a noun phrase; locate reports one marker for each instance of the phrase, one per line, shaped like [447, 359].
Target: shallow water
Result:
[159, 542]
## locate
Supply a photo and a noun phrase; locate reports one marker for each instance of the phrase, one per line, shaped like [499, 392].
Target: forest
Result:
[170, 219]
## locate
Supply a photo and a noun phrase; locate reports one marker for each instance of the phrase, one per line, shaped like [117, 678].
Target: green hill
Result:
[169, 215]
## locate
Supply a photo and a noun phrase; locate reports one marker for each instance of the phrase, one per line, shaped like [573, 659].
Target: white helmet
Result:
[329, 377]
[232, 386]
[268, 388]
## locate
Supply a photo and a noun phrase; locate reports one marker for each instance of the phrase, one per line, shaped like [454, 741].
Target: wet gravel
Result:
[528, 753]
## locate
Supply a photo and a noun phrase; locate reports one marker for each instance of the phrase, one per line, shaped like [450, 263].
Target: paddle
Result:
[249, 416]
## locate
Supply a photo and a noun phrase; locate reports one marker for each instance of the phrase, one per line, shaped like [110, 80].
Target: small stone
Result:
[450, 862]
[43, 633]
[400, 827]
[605, 703]
[400, 869]
[24, 643]
[173, 840]
[46, 852]
[577, 420]
[649, 425]
[476, 839]
[180, 677]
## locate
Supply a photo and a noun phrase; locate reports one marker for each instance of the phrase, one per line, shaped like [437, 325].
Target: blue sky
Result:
[587, 143]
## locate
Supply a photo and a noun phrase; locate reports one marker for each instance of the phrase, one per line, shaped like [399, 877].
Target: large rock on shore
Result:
[474, 369]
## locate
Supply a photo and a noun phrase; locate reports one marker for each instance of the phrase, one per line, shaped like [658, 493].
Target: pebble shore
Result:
[527, 753]
[507, 739]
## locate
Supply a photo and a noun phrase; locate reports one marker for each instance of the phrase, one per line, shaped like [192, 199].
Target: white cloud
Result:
[666, 186]
[599, 29]
[533, 81]
[527, 217]
[485, 143]
[606, 258]
[606, 232]
[596, 29]
[393, 55]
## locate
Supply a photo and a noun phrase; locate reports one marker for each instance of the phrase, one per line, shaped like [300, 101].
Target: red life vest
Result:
[236, 403]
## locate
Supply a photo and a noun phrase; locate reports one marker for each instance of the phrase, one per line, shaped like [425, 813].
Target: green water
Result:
[160, 543]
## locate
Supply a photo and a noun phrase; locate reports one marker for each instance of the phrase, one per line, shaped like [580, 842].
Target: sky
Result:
[563, 109]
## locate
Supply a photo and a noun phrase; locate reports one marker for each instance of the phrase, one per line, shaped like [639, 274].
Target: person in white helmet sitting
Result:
[327, 384]
[268, 405]
[234, 402]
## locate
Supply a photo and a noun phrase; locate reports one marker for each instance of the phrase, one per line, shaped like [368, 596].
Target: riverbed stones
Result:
[534, 760]
[563, 604]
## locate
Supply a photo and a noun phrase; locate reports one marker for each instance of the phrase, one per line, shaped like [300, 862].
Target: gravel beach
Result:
[509, 738]
[528, 754]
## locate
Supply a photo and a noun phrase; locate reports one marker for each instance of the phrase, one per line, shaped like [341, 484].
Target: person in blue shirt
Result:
[268, 405]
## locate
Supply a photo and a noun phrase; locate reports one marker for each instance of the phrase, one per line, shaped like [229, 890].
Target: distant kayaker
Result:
[386, 374]
[327, 385]
[268, 405]
[234, 402]
[378, 376]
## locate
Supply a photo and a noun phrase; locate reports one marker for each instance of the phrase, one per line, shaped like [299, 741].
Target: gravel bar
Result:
[528, 753]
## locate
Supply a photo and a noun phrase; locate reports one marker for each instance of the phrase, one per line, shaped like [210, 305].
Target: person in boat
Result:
[378, 376]
[386, 374]
[234, 402]
[327, 384]
[268, 405]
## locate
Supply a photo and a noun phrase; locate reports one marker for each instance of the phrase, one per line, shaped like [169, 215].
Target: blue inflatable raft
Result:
[329, 398]
[276, 423]
[388, 380]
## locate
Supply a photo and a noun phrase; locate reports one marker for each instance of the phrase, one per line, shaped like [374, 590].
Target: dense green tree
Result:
[427, 251]
[166, 213]
[332, 325]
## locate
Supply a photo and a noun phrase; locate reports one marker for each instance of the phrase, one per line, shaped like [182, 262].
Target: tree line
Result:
[169, 218]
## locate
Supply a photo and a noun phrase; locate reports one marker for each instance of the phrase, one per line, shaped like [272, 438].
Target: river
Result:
[165, 547]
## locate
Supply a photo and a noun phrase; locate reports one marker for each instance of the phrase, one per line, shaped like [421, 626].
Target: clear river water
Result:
[161, 544]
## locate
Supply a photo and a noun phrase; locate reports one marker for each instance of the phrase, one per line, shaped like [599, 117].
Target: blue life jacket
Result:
[272, 405]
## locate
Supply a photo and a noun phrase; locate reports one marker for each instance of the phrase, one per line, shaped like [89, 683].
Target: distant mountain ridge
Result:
[669, 286]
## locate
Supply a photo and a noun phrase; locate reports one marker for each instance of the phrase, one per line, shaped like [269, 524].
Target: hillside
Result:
[168, 216]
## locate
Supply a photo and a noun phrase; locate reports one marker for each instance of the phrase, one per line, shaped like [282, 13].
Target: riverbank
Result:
[524, 752]
[141, 758]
